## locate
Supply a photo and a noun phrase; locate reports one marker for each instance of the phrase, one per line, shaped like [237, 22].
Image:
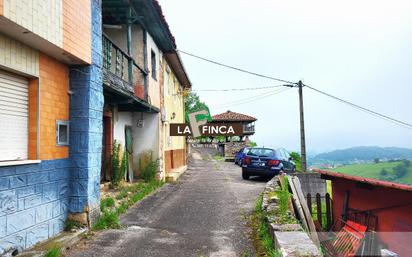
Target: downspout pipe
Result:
[38, 120]
[129, 45]
[145, 84]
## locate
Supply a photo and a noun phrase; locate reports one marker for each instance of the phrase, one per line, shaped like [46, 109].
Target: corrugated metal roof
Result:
[375, 182]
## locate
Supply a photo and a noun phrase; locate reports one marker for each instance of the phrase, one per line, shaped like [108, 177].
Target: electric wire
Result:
[361, 108]
[254, 99]
[239, 89]
[236, 68]
[291, 84]
[240, 100]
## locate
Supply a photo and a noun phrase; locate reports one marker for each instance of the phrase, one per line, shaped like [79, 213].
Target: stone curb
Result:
[290, 239]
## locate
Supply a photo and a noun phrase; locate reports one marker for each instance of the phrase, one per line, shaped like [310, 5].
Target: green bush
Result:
[148, 166]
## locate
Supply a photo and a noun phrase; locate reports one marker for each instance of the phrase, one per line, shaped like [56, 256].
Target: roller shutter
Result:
[14, 114]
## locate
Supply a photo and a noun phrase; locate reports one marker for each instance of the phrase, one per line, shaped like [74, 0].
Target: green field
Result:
[372, 170]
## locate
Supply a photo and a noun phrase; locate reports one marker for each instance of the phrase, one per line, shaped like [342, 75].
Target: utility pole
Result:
[302, 129]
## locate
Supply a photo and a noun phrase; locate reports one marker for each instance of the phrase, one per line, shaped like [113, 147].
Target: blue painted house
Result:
[51, 109]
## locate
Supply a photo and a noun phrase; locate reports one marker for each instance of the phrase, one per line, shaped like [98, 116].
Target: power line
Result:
[246, 98]
[256, 98]
[376, 114]
[294, 84]
[240, 89]
[237, 69]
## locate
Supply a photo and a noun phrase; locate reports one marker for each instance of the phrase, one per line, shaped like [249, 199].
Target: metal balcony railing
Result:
[120, 69]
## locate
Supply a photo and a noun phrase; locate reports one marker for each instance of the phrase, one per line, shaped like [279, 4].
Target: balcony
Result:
[249, 129]
[121, 72]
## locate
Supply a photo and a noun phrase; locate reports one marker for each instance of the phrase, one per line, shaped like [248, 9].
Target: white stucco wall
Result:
[120, 120]
[145, 138]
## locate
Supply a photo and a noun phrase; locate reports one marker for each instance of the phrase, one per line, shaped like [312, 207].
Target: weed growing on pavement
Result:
[106, 203]
[72, 224]
[217, 157]
[53, 252]
[262, 240]
[108, 219]
[129, 195]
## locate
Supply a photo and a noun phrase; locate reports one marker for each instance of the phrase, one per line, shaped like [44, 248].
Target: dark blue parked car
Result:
[239, 155]
[266, 162]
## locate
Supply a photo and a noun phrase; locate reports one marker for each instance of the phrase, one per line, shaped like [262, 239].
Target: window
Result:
[153, 60]
[14, 113]
[62, 132]
[261, 152]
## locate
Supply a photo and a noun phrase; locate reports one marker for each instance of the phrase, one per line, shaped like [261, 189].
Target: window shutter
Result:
[13, 117]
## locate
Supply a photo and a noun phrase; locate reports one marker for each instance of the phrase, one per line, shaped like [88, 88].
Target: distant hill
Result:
[364, 153]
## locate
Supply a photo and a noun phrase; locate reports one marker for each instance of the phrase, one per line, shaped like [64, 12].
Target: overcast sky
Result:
[357, 50]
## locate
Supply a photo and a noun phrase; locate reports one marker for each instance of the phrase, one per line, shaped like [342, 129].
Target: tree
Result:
[296, 159]
[384, 172]
[376, 160]
[400, 170]
[193, 104]
[252, 143]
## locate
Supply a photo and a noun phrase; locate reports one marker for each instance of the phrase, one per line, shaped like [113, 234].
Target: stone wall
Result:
[231, 148]
[312, 183]
[33, 202]
[289, 238]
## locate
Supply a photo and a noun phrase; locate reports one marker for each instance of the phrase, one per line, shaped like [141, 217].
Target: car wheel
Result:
[245, 175]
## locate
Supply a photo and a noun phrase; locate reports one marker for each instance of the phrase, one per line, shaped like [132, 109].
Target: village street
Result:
[203, 214]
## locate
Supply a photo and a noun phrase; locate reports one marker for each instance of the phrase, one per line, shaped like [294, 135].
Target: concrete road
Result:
[201, 215]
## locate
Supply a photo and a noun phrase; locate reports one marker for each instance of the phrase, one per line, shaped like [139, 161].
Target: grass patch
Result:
[53, 252]
[262, 240]
[217, 157]
[108, 219]
[283, 214]
[127, 197]
[106, 203]
[373, 170]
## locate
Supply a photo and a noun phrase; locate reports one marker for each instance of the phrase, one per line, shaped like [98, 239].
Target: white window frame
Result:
[58, 124]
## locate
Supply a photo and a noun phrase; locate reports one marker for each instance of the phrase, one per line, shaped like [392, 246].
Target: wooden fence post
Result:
[319, 208]
[328, 211]
[309, 202]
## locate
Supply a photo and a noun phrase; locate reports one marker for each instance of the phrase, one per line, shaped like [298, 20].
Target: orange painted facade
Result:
[33, 97]
[77, 28]
[54, 105]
